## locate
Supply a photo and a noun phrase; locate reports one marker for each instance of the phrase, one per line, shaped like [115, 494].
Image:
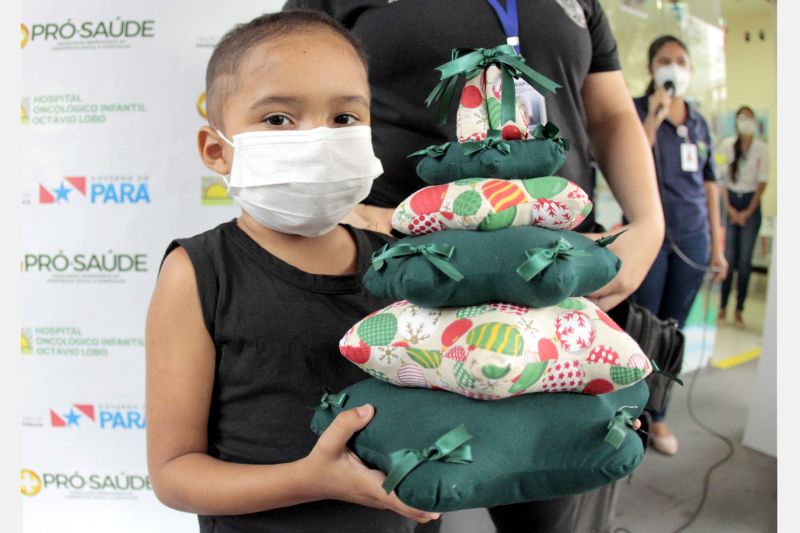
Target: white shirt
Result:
[753, 165]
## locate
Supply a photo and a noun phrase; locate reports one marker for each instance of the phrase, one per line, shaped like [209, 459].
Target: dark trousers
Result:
[739, 244]
[547, 516]
[671, 285]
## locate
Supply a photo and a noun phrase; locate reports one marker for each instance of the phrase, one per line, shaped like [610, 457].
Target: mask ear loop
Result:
[226, 178]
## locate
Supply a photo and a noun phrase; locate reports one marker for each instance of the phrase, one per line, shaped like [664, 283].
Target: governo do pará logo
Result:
[95, 190]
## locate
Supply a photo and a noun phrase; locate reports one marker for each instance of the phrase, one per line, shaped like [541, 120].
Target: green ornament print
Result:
[472, 311]
[468, 181]
[467, 203]
[530, 375]
[546, 187]
[572, 303]
[378, 330]
[495, 221]
[425, 358]
[495, 372]
[625, 376]
[493, 106]
[496, 337]
[463, 377]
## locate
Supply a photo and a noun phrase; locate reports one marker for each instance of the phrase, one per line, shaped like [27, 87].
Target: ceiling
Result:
[732, 8]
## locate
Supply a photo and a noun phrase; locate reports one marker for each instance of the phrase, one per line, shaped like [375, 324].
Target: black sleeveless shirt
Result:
[276, 331]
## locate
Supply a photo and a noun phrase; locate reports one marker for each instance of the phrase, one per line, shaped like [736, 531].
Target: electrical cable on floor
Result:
[693, 416]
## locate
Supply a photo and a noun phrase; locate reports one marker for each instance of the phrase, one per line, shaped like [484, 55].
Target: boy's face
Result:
[299, 82]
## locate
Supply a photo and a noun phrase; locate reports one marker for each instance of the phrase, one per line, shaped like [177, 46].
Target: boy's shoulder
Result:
[200, 241]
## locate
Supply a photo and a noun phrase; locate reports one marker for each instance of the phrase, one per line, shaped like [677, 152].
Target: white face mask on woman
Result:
[679, 76]
[746, 126]
[302, 182]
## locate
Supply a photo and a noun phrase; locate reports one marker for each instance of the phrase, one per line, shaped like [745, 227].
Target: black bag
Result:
[660, 340]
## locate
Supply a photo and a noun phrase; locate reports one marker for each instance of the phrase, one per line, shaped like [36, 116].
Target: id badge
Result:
[689, 157]
[532, 103]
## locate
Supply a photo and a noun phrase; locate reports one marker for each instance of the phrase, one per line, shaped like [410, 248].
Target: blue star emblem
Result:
[72, 418]
[62, 192]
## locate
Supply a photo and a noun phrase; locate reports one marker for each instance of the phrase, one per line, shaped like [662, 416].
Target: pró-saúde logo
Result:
[201, 105]
[25, 34]
[97, 190]
[31, 482]
[71, 341]
[89, 34]
[109, 267]
[83, 415]
[77, 484]
[214, 191]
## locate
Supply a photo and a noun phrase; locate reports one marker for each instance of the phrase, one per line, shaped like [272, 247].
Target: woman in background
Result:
[745, 178]
[682, 142]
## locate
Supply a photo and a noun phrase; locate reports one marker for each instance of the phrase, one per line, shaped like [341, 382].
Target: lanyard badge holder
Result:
[531, 100]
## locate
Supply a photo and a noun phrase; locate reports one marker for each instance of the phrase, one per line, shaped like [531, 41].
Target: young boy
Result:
[245, 319]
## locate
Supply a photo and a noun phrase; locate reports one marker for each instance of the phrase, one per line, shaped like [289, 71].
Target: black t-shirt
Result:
[276, 330]
[406, 40]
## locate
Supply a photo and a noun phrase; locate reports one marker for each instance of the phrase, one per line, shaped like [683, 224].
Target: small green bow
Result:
[438, 254]
[616, 428]
[549, 131]
[541, 258]
[328, 400]
[469, 62]
[434, 150]
[493, 140]
[449, 448]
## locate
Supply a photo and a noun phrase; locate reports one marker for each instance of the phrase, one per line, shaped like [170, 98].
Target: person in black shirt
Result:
[570, 42]
[245, 320]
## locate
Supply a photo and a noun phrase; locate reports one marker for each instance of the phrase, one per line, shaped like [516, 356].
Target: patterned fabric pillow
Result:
[504, 160]
[497, 350]
[443, 452]
[529, 266]
[486, 204]
[479, 109]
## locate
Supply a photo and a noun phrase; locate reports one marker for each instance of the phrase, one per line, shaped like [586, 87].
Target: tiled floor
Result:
[664, 492]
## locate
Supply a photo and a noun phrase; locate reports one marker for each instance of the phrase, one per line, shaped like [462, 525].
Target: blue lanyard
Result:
[509, 20]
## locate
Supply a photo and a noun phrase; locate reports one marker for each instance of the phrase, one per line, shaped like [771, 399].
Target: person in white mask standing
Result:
[245, 321]
[682, 147]
[744, 174]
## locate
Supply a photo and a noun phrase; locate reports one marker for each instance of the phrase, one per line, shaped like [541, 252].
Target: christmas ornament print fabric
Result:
[486, 204]
[497, 350]
[479, 109]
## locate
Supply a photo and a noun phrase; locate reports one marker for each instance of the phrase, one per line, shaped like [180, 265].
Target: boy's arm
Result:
[180, 376]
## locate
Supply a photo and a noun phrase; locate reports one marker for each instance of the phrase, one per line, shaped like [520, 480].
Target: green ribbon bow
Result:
[328, 400]
[469, 62]
[438, 254]
[434, 150]
[616, 428]
[541, 258]
[549, 131]
[657, 369]
[493, 140]
[449, 448]
[605, 241]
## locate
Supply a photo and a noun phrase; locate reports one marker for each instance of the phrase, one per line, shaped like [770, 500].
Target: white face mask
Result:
[302, 182]
[745, 126]
[679, 76]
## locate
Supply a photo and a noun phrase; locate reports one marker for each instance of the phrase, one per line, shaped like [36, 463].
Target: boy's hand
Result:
[339, 474]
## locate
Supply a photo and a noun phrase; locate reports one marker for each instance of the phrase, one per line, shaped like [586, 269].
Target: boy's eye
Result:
[345, 119]
[277, 120]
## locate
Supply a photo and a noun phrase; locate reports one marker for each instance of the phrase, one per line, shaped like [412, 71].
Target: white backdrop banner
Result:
[112, 98]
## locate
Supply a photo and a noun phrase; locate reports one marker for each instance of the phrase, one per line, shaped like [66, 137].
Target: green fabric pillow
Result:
[530, 266]
[527, 159]
[525, 448]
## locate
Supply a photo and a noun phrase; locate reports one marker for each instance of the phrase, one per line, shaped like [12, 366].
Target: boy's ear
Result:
[216, 154]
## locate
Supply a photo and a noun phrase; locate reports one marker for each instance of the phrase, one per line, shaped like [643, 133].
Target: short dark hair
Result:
[233, 47]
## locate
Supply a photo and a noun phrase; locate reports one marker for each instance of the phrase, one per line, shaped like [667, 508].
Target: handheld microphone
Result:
[669, 86]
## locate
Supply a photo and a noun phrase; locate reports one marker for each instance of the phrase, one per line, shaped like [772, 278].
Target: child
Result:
[245, 319]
